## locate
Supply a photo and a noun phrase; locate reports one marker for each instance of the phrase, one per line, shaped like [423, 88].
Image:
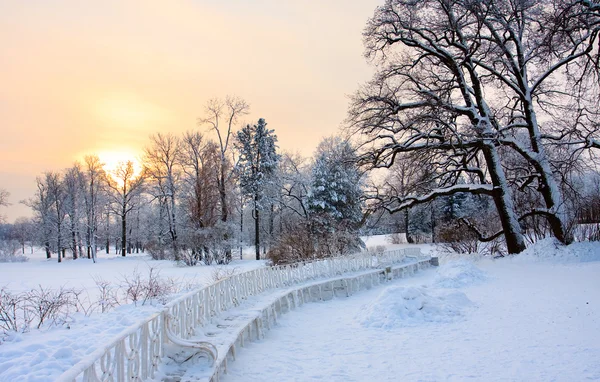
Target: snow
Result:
[532, 317]
[399, 306]
[459, 273]
[42, 355]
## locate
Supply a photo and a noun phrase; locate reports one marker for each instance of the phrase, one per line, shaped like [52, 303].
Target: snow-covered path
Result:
[529, 321]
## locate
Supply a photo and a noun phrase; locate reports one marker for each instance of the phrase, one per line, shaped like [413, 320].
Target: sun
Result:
[112, 159]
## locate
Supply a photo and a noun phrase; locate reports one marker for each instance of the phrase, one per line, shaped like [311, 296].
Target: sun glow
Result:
[113, 159]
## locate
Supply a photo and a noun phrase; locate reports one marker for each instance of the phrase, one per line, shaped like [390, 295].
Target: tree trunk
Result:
[79, 243]
[224, 210]
[48, 252]
[515, 243]
[123, 233]
[433, 222]
[74, 242]
[107, 233]
[549, 189]
[271, 223]
[241, 225]
[256, 228]
[408, 237]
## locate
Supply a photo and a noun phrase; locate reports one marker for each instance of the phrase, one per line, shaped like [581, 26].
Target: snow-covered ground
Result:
[80, 273]
[534, 317]
[44, 354]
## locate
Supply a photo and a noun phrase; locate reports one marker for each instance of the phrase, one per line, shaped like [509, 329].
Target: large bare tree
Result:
[428, 98]
[221, 116]
[163, 170]
[520, 55]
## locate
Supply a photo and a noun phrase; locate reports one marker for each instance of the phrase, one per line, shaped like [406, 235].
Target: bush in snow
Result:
[9, 250]
[19, 311]
[147, 289]
[11, 306]
[456, 237]
[293, 246]
[397, 238]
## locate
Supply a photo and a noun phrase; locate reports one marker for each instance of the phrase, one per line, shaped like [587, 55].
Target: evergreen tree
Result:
[257, 164]
[334, 201]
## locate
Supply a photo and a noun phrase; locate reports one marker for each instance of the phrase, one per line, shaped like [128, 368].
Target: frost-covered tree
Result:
[335, 190]
[428, 98]
[3, 201]
[162, 168]
[41, 204]
[334, 200]
[258, 160]
[93, 193]
[57, 194]
[221, 116]
[74, 188]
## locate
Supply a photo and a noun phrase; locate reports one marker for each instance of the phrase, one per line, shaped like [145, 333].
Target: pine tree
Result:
[256, 168]
[334, 201]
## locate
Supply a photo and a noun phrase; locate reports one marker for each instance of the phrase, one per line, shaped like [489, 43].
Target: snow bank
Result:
[399, 306]
[43, 355]
[459, 273]
[551, 250]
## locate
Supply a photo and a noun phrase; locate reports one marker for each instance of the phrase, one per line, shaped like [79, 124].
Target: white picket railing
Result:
[137, 351]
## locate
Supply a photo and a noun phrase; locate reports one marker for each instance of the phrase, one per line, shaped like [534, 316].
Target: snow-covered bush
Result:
[9, 252]
[40, 306]
[397, 238]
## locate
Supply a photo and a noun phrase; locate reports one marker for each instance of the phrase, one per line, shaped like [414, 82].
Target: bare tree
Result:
[428, 99]
[221, 116]
[41, 204]
[3, 201]
[163, 169]
[94, 175]
[201, 162]
[74, 188]
[409, 175]
[23, 231]
[521, 56]
[125, 186]
[57, 193]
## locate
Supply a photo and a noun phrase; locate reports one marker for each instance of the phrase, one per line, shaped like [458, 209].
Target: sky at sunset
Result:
[82, 77]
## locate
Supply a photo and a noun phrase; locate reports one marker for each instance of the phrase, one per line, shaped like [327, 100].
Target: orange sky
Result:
[80, 77]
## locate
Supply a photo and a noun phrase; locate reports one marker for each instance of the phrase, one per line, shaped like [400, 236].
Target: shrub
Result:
[9, 252]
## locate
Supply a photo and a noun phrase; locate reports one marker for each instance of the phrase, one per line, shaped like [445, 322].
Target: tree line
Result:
[194, 195]
[480, 122]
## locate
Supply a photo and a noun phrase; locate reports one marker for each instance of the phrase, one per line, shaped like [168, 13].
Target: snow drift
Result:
[399, 306]
[458, 274]
[551, 250]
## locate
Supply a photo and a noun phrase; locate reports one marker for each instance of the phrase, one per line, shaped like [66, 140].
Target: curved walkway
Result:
[235, 328]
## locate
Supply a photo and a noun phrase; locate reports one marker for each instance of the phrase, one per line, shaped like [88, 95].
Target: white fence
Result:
[137, 351]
